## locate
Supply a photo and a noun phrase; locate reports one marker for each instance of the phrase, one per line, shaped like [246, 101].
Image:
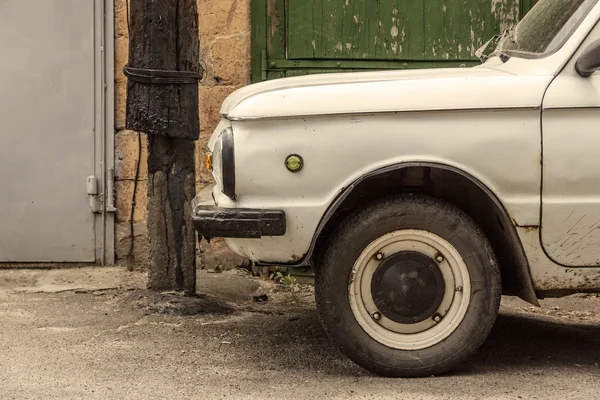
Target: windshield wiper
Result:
[510, 33]
[483, 57]
[480, 52]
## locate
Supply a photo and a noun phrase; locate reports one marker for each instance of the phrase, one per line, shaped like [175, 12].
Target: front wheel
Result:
[408, 286]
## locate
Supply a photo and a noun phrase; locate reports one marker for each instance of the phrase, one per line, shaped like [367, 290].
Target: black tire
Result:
[333, 274]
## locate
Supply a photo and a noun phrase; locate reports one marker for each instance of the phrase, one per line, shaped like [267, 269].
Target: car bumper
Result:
[211, 221]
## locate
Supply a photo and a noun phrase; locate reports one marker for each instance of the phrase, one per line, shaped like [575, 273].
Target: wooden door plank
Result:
[457, 30]
[304, 24]
[276, 33]
[259, 37]
[412, 32]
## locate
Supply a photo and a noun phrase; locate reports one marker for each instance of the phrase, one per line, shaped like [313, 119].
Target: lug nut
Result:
[437, 318]
[379, 256]
[376, 316]
[439, 258]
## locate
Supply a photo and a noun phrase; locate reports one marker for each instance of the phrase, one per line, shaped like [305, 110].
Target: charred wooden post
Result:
[162, 100]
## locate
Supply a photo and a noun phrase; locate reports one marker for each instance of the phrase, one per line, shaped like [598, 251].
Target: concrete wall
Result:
[225, 51]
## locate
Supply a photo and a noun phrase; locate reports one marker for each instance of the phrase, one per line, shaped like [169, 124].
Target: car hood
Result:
[388, 91]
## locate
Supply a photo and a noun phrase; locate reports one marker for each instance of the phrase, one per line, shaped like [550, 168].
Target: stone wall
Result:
[225, 53]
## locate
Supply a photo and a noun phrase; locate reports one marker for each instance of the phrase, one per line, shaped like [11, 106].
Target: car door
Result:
[571, 166]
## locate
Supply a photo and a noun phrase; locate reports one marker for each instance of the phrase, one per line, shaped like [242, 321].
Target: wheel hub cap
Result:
[408, 287]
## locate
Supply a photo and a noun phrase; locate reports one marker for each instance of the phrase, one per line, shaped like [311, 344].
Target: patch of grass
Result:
[290, 283]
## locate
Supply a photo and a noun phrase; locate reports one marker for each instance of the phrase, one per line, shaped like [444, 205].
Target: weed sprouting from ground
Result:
[290, 283]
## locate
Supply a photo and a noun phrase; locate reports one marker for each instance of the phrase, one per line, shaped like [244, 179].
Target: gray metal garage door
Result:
[49, 129]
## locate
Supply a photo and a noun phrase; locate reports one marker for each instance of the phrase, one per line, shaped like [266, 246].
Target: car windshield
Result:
[545, 28]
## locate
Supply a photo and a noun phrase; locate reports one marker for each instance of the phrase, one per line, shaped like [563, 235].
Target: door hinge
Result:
[92, 191]
[96, 198]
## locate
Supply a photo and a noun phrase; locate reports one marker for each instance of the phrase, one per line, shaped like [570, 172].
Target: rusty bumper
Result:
[211, 221]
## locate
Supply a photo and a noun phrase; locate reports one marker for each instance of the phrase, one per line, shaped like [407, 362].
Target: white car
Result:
[420, 196]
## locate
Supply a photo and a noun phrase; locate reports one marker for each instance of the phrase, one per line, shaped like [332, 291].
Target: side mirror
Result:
[589, 61]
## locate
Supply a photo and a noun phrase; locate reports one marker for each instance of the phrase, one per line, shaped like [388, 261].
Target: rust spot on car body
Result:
[573, 281]
[296, 258]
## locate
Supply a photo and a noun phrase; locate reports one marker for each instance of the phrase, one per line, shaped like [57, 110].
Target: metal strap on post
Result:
[162, 77]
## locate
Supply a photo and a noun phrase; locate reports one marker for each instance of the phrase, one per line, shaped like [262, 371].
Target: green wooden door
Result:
[297, 37]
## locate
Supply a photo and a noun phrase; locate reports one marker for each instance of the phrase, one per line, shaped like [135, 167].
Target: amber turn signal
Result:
[208, 159]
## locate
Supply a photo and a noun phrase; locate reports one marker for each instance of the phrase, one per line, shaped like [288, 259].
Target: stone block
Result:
[140, 243]
[120, 106]
[121, 19]
[223, 17]
[231, 61]
[121, 58]
[124, 191]
[211, 98]
[126, 155]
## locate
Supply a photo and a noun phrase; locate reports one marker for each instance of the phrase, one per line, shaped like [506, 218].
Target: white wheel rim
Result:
[424, 334]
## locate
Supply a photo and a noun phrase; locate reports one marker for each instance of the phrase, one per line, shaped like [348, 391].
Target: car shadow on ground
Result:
[517, 342]
[530, 342]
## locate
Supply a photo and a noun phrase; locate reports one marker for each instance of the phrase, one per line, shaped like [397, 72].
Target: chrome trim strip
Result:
[384, 112]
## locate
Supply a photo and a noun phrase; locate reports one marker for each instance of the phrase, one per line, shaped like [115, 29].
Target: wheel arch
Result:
[449, 184]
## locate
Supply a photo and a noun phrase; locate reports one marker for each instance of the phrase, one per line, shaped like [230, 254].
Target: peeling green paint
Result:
[410, 32]
[395, 29]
